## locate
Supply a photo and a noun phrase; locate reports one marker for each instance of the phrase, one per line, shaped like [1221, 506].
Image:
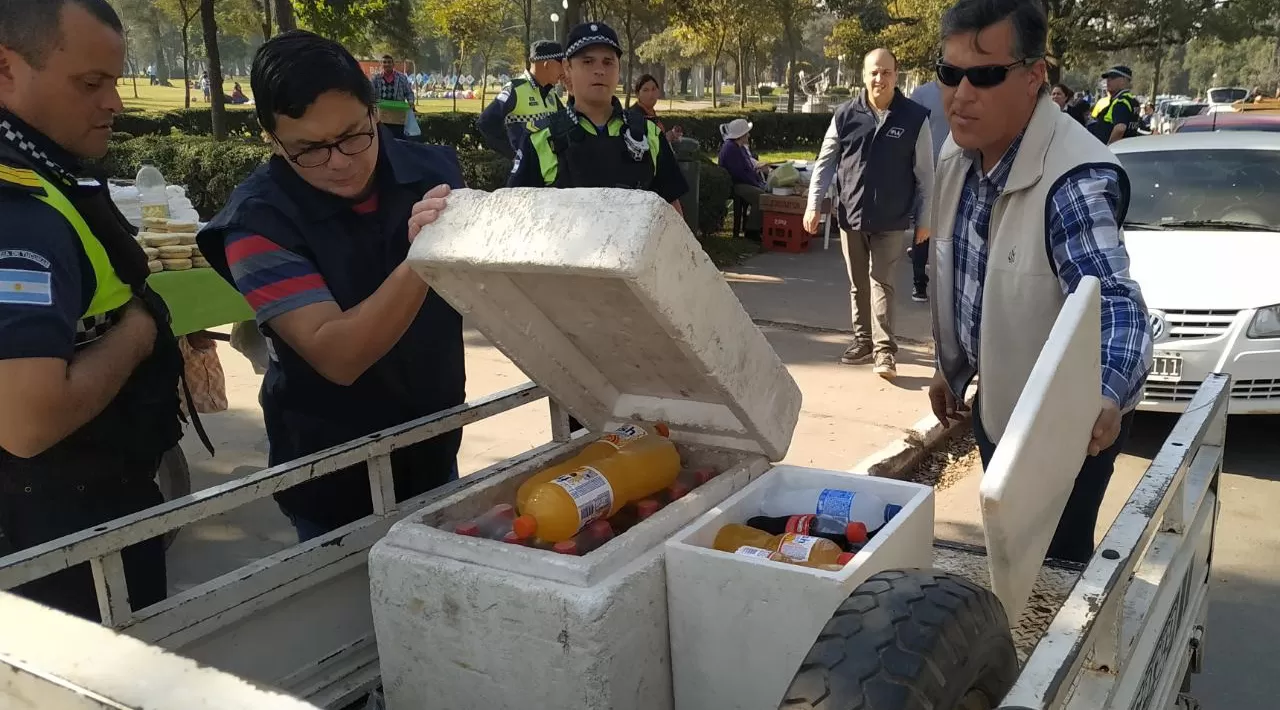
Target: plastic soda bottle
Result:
[493, 523]
[845, 506]
[632, 514]
[846, 535]
[793, 546]
[593, 537]
[760, 552]
[623, 438]
[151, 192]
[557, 509]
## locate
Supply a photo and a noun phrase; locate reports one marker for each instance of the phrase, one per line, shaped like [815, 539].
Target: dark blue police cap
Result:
[590, 34]
[544, 50]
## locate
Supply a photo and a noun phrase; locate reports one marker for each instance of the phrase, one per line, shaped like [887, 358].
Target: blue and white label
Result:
[20, 286]
[835, 504]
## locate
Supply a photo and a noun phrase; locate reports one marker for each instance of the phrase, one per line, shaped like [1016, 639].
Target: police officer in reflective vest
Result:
[316, 240]
[89, 369]
[594, 142]
[526, 103]
[1118, 116]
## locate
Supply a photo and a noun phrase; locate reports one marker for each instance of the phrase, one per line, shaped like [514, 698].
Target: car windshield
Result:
[1234, 186]
[1226, 96]
[1185, 110]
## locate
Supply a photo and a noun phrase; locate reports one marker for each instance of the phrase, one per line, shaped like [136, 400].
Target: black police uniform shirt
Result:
[668, 182]
[502, 137]
[46, 282]
[1123, 115]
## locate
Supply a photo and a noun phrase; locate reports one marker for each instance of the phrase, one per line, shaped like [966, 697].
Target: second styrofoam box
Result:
[741, 626]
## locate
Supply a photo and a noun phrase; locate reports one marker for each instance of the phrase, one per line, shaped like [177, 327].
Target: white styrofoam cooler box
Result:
[741, 626]
[605, 299]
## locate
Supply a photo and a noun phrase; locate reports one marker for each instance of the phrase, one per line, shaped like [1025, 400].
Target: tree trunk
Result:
[572, 17]
[1055, 69]
[791, 77]
[1155, 80]
[186, 64]
[527, 13]
[741, 76]
[217, 99]
[265, 7]
[284, 15]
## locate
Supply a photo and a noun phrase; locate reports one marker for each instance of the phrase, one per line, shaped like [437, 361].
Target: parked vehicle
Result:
[1172, 114]
[1231, 122]
[1221, 98]
[1203, 230]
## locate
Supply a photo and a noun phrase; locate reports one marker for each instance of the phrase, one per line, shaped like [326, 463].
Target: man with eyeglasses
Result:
[1026, 203]
[316, 241]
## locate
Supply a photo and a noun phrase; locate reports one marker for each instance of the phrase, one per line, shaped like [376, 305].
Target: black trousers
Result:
[29, 518]
[1073, 540]
[920, 265]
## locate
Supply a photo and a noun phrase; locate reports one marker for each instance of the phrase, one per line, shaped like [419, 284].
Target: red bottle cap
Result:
[678, 490]
[468, 528]
[512, 538]
[647, 508]
[503, 510]
[856, 532]
[845, 558]
[525, 526]
[703, 475]
[663, 430]
[601, 530]
[568, 547]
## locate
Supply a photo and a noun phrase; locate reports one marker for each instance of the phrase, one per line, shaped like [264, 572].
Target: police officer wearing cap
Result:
[1118, 117]
[316, 240]
[594, 142]
[89, 369]
[526, 103]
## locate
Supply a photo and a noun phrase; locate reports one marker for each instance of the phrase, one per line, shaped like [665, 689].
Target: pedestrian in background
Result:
[879, 151]
[928, 95]
[525, 104]
[744, 170]
[1002, 275]
[392, 85]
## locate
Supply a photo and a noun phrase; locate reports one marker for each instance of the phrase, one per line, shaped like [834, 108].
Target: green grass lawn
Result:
[725, 251]
[777, 156]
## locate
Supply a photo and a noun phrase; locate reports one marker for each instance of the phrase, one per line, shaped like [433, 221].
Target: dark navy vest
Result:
[875, 179]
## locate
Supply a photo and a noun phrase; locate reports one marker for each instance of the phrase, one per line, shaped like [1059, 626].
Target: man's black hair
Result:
[292, 70]
[31, 27]
[1030, 26]
[386, 57]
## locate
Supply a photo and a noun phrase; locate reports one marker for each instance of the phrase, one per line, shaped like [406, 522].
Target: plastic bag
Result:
[411, 128]
[203, 372]
[785, 175]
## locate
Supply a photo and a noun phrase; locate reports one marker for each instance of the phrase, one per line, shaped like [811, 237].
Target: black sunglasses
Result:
[983, 77]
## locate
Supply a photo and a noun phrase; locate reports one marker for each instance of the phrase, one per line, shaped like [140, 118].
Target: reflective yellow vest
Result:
[530, 106]
[109, 292]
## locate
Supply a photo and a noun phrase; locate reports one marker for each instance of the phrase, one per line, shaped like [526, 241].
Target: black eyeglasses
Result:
[319, 155]
[983, 77]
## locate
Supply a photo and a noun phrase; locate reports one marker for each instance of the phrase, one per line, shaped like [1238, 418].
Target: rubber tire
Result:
[909, 640]
[174, 479]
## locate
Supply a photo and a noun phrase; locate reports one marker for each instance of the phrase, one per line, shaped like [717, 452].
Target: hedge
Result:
[773, 131]
[211, 170]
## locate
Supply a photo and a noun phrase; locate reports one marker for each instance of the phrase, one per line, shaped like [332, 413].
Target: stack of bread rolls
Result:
[170, 245]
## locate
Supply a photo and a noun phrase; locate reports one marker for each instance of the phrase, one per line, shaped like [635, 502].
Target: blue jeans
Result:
[308, 529]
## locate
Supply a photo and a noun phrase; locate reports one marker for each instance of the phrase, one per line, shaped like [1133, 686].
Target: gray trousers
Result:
[871, 260]
[751, 195]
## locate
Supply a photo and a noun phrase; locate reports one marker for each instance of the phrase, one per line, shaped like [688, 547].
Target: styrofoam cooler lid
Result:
[604, 298]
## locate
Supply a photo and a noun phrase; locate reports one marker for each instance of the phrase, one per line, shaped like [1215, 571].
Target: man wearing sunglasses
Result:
[316, 241]
[1026, 203]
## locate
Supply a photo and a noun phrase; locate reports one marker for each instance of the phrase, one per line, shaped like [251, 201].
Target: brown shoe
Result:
[857, 354]
[886, 366]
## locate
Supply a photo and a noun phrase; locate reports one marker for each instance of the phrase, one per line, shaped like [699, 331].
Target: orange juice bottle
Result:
[623, 438]
[557, 509]
[760, 552]
[793, 546]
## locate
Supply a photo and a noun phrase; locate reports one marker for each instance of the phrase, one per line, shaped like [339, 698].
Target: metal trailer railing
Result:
[299, 619]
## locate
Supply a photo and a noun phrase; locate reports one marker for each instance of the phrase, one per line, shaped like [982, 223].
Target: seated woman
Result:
[747, 172]
[237, 95]
[648, 91]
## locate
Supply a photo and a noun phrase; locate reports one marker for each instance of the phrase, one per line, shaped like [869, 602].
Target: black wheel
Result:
[909, 640]
[174, 479]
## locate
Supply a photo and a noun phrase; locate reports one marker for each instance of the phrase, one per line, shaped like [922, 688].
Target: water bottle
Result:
[151, 192]
[845, 506]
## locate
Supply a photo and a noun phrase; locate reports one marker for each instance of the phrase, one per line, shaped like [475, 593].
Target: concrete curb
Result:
[897, 459]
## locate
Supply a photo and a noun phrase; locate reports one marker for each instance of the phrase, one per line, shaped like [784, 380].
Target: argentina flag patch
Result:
[20, 286]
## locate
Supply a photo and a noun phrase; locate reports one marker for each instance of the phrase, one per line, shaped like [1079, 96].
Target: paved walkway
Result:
[800, 299]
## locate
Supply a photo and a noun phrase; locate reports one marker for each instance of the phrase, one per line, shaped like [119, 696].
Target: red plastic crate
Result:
[784, 232]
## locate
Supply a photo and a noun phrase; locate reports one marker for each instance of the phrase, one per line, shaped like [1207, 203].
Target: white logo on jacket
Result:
[895, 132]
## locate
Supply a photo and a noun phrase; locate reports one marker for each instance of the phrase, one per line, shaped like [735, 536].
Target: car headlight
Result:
[1266, 323]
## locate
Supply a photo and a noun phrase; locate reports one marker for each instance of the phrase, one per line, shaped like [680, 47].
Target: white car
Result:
[1203, 233]
[1221, 98]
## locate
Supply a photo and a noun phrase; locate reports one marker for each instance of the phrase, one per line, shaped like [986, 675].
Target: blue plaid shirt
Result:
[1085, 240]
